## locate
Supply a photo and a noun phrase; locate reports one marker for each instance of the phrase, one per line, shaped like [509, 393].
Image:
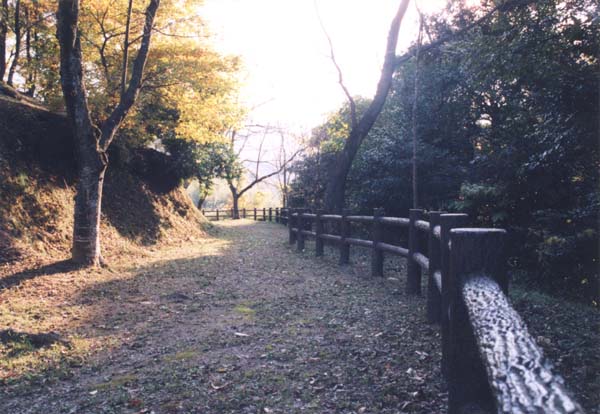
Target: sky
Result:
[288, 77]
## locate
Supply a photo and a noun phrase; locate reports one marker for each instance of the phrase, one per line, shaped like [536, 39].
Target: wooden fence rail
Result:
[279, 215]
[489, 360]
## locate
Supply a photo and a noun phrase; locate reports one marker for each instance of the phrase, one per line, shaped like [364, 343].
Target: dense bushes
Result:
[508, 132]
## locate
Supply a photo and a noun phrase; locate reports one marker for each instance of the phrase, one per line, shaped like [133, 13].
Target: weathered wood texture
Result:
[377, 236]
[319, 245]
[447, 222]
[480, 251]
[434, 291]
[490, 362]
[395, 221]
[422, 225]
[421, 260]
[300, 235]
[344, 234]
[360, 219]
[519, 374]
[331, 217]
[291, 222]
[413, 275]
[331, 237]
[390, 248]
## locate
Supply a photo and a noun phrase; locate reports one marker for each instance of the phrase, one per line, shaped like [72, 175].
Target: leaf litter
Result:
[240, 323]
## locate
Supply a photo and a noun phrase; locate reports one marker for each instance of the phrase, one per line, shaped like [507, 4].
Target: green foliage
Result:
[484, 202]
[189, 90]
[508, 132]
[201, 161]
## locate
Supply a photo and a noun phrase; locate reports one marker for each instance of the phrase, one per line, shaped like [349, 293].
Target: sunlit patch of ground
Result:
[235, 323]
[91, 310]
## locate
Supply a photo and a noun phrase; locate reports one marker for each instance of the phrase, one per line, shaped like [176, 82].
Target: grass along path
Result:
[235, 323]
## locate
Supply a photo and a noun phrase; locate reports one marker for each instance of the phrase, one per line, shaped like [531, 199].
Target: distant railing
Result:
[490, 361]
[279, 215]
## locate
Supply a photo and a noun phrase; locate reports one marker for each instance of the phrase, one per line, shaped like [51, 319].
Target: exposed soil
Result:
[143, 204]
[235, 323]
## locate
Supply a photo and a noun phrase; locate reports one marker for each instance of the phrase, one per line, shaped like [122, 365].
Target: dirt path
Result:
[240, 323]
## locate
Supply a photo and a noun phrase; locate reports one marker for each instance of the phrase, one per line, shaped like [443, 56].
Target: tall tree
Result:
[17, 30]
[92, 141]
[508, 132]
[285, 176]
[3, 33]
[126, 48]
[415, 138]
[336, 185]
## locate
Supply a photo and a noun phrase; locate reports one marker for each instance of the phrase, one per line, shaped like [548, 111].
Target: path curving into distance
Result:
[242, 323]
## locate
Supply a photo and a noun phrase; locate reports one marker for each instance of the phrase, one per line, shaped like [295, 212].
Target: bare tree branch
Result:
[126, 48]
[264, 177]
[351, 101]
[128, 98]
[336, 185]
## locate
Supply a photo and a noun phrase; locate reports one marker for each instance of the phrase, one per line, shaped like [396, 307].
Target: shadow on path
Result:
[63, 266]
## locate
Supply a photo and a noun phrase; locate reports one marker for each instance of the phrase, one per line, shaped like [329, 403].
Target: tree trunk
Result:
[35, 67]
[236, 210]
[30, 81]
[13, 66]
[3, 32]
[235, 196]
[126, 49]
[92, 142]
[336, 186]
[88, 203]
[415, 189]
[335, 192]
[284, 189]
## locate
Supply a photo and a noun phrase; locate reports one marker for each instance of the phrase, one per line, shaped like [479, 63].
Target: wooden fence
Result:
[489, 360]
[278, 215]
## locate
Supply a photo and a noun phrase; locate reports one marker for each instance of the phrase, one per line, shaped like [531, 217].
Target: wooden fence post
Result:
[276, 214]
[434, 293]
[447, 222]
[264, 214]
[254, 213]
[203, 212]
[300, 236]
[290, 223]
[217, 214]
[344, 233]
[318, 232]
[413, 273]
[270, 214]
[231, 216]
[377, 235]
[472, 252]
[244, 212]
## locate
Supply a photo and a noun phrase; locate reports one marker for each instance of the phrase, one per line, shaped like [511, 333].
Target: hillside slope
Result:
[142, 205]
